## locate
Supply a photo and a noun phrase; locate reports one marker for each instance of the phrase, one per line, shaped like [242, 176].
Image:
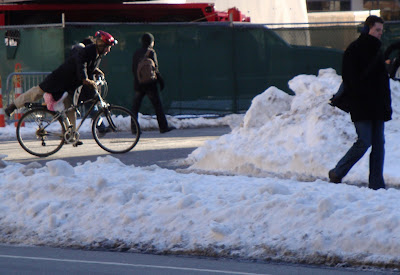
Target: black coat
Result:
[366, 80]
[69, 75]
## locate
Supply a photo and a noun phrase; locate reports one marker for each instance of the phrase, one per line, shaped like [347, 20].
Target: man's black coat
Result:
[69, 75]
[366, 80]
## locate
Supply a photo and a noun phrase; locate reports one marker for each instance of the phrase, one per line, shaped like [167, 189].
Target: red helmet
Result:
[107, 38]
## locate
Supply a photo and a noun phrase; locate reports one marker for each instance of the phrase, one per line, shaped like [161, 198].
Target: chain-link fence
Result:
[331, 34]
[209, 68]
[327, 35]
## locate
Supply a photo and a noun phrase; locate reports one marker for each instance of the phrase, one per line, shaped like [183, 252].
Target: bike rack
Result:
[26, 80]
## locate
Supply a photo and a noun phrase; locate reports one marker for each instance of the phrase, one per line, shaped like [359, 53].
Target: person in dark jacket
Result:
[87, 92]
[149, 89]
[393, 65]
[74, 72]
[367, 84]
[85, 42]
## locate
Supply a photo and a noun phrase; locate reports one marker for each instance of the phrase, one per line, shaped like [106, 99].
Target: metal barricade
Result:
[20, 82]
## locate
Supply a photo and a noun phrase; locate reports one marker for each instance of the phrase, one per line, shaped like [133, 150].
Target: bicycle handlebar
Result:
[100, 81]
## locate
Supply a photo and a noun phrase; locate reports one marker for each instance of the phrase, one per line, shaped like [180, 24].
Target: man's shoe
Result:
[169, 129]
[77, 143]
[333, 177]
[102, 131]
[10, 109]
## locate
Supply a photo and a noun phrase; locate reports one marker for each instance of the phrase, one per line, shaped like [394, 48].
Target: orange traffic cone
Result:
[17, 90]
[2, 120]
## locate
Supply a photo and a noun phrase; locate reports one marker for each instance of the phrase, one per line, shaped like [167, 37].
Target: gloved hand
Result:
[89, 82]
[387, 113]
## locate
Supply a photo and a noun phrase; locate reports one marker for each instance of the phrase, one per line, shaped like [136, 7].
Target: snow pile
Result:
[149, 209]
[298, 136]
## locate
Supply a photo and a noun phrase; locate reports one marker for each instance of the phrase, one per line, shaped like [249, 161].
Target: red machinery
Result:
[43, 12]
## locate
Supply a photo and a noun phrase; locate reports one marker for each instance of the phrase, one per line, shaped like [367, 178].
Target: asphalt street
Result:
[153, 148]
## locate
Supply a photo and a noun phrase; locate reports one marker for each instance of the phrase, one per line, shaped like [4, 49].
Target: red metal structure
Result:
[43, 12]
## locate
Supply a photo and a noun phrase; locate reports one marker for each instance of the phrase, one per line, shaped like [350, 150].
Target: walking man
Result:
[367, 84]
[148, 88]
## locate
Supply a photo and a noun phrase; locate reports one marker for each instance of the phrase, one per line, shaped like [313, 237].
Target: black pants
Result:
[152, 93]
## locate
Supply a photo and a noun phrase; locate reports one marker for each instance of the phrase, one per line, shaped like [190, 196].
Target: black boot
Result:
[162, 131]
[10, 109]
[333, 177]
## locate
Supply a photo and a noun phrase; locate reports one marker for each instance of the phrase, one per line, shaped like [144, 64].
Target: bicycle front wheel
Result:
[40, 133]
[115, 129]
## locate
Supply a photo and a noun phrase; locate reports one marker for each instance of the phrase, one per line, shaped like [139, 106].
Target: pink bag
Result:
[53, 105]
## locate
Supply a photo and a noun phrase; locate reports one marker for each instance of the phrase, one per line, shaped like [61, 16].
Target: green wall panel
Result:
[208, 68]
[38, 50]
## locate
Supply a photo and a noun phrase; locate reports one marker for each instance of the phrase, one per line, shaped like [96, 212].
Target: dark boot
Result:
[10, 109]
[333, 177]
[169, 129]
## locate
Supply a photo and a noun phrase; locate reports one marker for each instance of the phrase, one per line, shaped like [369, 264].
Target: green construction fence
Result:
[213, 68]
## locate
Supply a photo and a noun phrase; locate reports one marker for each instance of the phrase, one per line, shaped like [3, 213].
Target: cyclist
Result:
[87, 92]
[77, 70]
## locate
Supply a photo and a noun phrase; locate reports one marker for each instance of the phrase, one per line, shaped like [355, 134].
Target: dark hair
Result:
[88, 40]
[147, 39]
[371, 20]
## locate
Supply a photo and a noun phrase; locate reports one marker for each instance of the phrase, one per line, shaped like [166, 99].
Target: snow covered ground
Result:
[259, 192]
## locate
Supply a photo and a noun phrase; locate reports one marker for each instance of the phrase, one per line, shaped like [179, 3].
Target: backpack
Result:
[146, 70]
[340, 99]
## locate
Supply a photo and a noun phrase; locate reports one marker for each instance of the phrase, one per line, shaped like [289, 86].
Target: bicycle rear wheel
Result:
[40, 133]
[115, 129]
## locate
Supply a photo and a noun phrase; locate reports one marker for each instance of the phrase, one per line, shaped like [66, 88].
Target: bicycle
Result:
[114, 128]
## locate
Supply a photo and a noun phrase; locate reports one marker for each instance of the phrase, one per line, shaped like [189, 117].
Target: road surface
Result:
[153, 148]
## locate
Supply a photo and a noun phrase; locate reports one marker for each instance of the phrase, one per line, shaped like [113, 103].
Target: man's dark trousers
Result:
[370, 133]
[152, 93]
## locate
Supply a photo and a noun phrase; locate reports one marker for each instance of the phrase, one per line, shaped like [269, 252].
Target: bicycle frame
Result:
[75, 105]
